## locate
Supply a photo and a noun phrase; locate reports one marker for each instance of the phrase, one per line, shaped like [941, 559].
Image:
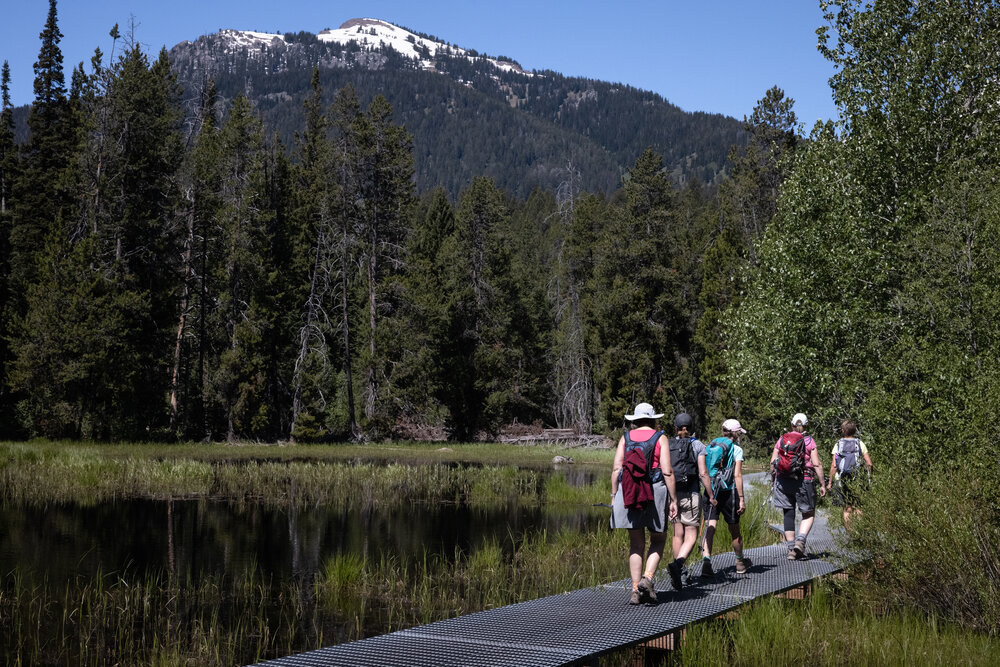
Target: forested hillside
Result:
[468, 117]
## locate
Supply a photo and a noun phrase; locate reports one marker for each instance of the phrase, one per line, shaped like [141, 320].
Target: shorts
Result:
[790, 493]
[652, 516]
[688, 508]
[728, 507]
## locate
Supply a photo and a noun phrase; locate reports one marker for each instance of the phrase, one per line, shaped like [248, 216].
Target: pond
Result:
[226, 581]
[190, 539]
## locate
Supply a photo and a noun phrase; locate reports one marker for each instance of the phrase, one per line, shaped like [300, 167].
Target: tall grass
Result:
[833, 627]
[935, 542]
[117, 618]
[85, 476]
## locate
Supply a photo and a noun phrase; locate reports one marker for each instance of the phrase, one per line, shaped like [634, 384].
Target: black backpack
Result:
[683, 461]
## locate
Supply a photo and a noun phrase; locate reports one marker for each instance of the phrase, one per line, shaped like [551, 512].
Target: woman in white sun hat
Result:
[724, 461]
[642, 486]
[791, 492]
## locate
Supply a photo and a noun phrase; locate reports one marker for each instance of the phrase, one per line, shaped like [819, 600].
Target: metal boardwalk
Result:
[579, 626]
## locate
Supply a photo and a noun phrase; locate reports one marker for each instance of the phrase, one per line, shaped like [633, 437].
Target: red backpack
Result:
[791, 455]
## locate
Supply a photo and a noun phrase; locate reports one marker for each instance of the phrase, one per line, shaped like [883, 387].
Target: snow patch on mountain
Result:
[375, 34]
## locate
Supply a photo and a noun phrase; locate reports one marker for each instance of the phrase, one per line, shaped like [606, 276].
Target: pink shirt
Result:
[808, 474]
[642, 435]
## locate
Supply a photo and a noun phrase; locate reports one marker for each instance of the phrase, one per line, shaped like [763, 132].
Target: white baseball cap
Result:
[799, 418]
[733, 426]
[643, 411]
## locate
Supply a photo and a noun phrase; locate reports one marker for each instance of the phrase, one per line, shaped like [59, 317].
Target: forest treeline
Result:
[176, 277]
[190, 276]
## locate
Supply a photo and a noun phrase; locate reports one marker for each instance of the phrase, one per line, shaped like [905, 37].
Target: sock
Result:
[800, 537]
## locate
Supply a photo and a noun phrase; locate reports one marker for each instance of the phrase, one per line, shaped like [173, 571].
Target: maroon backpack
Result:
[791, 455]
[637, 471]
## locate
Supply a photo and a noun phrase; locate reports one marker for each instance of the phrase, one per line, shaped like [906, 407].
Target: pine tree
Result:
[44, 189]
[315, 263]
[188, 416]
[386, 197]
[240, 321]
[490, 353]
[8, 176]
[631, 315]
[347, 120]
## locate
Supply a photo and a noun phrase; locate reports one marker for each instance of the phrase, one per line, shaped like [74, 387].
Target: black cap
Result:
[683, 419]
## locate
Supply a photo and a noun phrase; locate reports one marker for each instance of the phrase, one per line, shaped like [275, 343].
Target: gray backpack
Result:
[847, 456]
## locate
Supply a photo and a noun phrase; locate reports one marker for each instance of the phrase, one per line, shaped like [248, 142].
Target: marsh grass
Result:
[88, 477]
[417, 453]
[116, 618]
[833, 627]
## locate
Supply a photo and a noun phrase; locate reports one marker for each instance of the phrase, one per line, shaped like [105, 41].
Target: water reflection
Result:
[193, 538]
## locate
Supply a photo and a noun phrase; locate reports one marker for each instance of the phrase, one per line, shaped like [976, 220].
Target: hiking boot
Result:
[634, 598]
[742, 565]
[685, 576]
[799, 548]
[791, 554]
[706, 569]
[646, 591]
[674, 569]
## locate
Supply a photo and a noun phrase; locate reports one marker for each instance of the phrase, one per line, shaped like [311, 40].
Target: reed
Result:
[833, 627]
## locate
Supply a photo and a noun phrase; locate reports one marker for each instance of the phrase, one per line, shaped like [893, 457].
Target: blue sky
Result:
[716, 56]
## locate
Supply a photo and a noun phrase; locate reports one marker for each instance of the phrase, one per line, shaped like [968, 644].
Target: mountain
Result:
[470, 114]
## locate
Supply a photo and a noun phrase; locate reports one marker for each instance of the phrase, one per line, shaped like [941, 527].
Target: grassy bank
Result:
[91, 474]
[835, 626]
[396, 452]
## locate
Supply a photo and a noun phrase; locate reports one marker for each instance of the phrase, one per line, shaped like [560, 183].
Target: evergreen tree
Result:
[75, 360]
[631, 315]
[44, 189]
[202, 185]
[8, 176]
[242, 315]
[347, 121]
[386, 180]
[490, 352]
[419, 374]
[316, 265]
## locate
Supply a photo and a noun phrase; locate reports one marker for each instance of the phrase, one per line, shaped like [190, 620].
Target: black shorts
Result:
[728, 507]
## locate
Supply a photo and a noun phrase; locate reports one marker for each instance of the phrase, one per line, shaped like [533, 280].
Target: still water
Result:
[190, 539]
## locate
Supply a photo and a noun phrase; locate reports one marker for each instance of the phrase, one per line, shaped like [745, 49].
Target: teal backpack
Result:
[721, 463]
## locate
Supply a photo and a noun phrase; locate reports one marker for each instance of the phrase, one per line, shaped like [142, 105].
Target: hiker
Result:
[687, 458]
[845, 469]
[795, 465]
[642, 486]
[724, 460]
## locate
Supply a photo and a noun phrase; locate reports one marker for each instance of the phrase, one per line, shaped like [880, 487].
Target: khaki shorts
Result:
[688, 508]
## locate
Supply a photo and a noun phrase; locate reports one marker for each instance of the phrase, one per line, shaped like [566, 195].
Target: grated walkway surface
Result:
[579, 626]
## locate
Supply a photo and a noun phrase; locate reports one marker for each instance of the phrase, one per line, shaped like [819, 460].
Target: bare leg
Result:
[808, 518]
[637, 547]
[706, 541]
[656, 543]
[690, 538]
[734, 530]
